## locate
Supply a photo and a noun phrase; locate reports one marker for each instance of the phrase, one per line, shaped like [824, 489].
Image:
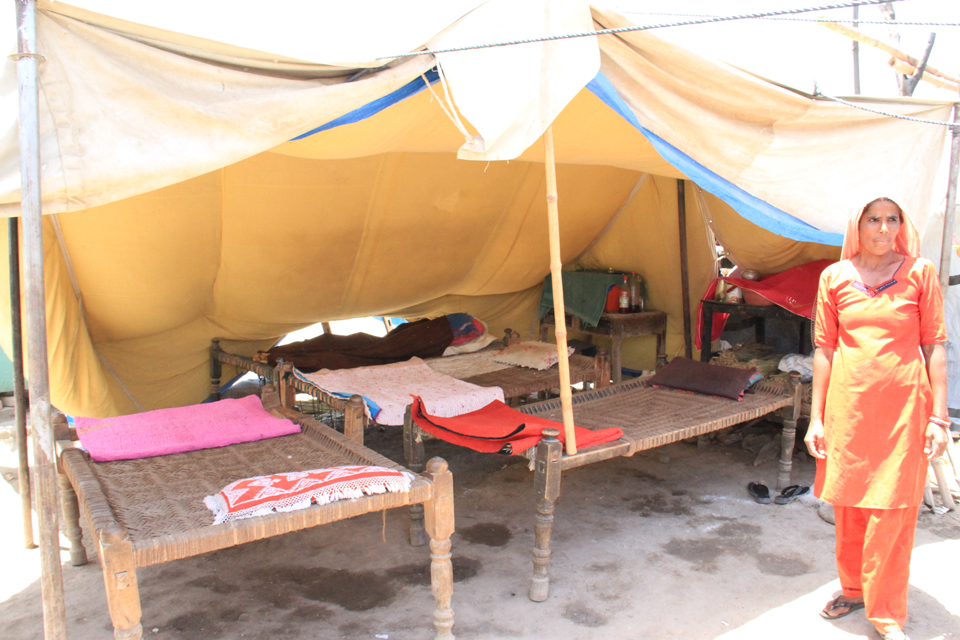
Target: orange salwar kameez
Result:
[877, 405]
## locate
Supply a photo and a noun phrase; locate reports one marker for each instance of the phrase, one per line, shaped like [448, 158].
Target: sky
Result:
[799, 53]
[793, 53]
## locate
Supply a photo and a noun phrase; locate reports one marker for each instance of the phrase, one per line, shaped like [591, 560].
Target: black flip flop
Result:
[791, 493]
[759, 492]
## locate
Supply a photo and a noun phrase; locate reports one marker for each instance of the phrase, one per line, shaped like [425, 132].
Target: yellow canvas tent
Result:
[198, 188]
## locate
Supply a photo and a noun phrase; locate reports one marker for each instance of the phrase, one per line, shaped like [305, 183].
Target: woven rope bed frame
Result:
[516, 382]
[149, 511]
[649, 417]
[519, 382]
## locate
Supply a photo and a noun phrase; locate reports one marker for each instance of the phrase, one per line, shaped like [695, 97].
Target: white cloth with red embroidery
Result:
[263, 495]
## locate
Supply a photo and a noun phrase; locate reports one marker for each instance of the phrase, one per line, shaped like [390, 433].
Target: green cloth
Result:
[584, 294]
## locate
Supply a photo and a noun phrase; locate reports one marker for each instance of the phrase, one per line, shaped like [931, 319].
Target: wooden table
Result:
[618, 326]
[760, 313]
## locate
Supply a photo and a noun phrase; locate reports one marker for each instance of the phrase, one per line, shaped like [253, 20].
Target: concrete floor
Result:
[642, 549]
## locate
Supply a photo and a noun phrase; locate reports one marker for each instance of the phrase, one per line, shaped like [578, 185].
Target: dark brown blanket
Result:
[420, 339]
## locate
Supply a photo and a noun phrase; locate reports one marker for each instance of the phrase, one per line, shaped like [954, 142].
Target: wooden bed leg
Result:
[71, 519]
[413, 456]
[663, 454]
[354, 419]
[547, 484]
[120, 579]
[216, 371]
[602, 362]
[440, 526]
[661, 350]
[788, 438]
[68, 498]
[288, 395]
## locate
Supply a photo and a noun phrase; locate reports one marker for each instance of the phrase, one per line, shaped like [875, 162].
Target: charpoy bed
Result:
[151, 510]
[516, 382]
[648, 416]
[354, 417]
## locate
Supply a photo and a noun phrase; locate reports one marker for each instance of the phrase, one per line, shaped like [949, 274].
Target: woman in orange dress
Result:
[879, 409]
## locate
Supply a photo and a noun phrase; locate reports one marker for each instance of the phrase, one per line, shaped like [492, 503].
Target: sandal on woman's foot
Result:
[894, 635]
[830, 612]
[759, 492]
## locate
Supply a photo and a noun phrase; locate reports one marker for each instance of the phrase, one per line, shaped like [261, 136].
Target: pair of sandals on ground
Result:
[842, 606]
[761, 493]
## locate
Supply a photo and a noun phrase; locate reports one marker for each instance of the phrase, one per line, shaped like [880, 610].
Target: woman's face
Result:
[879, 226]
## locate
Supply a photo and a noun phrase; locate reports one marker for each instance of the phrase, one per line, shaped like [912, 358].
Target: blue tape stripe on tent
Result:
[372, 108]
[750, 207]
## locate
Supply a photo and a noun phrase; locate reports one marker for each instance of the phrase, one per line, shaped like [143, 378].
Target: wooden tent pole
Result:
[684, 268]
[19, 390]
[51, 578]
[949, 214]
[553, 223]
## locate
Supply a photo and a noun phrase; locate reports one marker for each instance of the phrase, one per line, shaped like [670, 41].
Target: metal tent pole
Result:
[553, 223]
[51, 578]
[949, 214]
[19, 391]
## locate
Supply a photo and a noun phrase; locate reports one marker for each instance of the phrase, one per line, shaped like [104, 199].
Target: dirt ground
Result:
[641, 549]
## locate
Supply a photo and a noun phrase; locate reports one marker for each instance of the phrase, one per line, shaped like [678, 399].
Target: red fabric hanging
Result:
[794, 289]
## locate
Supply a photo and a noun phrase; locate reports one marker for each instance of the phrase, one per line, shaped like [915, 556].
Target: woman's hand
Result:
[936, 441]
[815, 442]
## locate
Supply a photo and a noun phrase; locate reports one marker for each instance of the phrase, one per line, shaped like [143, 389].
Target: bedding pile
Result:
[446, 335]
[420, 339]
[388, 389]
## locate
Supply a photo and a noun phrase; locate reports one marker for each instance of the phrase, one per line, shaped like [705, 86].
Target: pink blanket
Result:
[166, 431]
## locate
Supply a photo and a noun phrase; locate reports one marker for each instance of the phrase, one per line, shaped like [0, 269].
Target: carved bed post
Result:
[413, 456]
[602, 362]
[547, 484]
[789, 436]
[354, 419]
[440, 526]
[68, 498]
[216, 371]
[288, 395]
[120, 579]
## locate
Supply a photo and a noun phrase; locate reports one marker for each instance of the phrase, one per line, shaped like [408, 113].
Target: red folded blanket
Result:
[496, 428]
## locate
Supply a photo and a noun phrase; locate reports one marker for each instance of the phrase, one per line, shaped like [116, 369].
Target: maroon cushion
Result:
[700, 377]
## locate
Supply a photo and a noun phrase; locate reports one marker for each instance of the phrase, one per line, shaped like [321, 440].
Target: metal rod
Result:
[684, 269]
[19, 390]
[950, 212]
[856, 53]
[553, 224]
[51, 578]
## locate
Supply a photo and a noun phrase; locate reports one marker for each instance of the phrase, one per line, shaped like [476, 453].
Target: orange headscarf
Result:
[907, 241]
